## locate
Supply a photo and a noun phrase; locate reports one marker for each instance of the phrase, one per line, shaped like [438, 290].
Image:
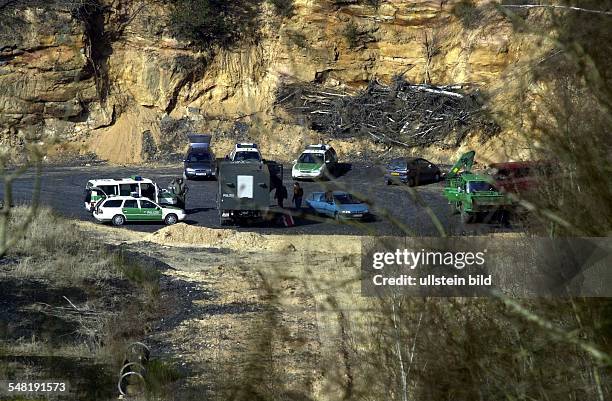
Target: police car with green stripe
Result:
[315, 162]
[121, 209]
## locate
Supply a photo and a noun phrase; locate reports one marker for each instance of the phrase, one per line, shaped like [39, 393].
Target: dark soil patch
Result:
[19, 321]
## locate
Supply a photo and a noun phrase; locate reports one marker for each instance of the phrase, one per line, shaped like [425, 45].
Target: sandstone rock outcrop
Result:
[43, 70]
[79, 78]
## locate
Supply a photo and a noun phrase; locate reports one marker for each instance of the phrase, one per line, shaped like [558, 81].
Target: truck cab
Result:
[472, 194]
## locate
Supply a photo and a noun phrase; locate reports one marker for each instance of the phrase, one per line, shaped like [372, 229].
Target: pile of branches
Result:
[402, 113]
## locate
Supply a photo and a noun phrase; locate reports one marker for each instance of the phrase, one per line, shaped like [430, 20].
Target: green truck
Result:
[472, 194]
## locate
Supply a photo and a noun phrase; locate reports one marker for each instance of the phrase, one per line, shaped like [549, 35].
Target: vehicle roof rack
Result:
[317, 147]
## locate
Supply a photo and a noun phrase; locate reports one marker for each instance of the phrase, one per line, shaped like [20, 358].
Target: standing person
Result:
[329, 196]
[280, 194]
[298, 194]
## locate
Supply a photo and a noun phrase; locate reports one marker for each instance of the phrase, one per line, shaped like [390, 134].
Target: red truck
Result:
[520, 177]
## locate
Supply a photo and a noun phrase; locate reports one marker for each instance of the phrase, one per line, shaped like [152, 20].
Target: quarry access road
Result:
[395, 209]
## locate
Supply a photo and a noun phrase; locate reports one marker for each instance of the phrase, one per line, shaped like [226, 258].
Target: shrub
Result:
[215, 22]
[469, 14]
[352, 34]
[372, 3]
[298, 39]
[283, 8]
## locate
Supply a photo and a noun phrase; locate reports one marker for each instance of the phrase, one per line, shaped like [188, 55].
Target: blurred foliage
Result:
[569, 124]
[207, 22]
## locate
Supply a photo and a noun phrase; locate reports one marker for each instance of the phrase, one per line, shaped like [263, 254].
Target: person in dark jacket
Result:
[298, 194]
[280, 194]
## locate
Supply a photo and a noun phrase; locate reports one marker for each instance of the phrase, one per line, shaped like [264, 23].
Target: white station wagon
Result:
[121, 209]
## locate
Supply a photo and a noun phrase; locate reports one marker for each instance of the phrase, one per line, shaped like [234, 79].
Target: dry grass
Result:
[73, 299]
[315, 337]
[53, 248]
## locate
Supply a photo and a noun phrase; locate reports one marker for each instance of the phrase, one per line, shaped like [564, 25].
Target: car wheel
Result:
[333, 171]
[118, 220]
[326, 174]
[411, 182]
[337, 216]
[505, 218]
[466, 217]
[171, 219]
[389, 182]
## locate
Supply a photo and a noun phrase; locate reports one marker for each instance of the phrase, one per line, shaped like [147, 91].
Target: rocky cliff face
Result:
[112, 78]
[44, 77]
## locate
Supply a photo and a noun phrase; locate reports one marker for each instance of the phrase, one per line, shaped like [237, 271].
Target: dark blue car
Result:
[411, 171]
[339, 205]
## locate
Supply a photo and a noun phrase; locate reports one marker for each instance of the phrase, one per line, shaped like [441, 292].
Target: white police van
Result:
[245, 152]
[99, 189]
[121, 209]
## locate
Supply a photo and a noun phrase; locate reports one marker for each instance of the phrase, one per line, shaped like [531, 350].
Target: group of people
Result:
[281, 194]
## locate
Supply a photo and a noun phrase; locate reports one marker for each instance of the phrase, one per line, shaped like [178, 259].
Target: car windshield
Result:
[242, 156]
[198, 157]
[345, 199]
[478, 186]
[311, 158]
[397, 164]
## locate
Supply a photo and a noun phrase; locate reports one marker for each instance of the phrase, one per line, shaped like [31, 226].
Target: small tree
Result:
[207, 23]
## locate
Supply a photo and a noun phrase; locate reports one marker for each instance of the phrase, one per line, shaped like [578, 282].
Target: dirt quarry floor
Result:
[259, 312]
[240, 315]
